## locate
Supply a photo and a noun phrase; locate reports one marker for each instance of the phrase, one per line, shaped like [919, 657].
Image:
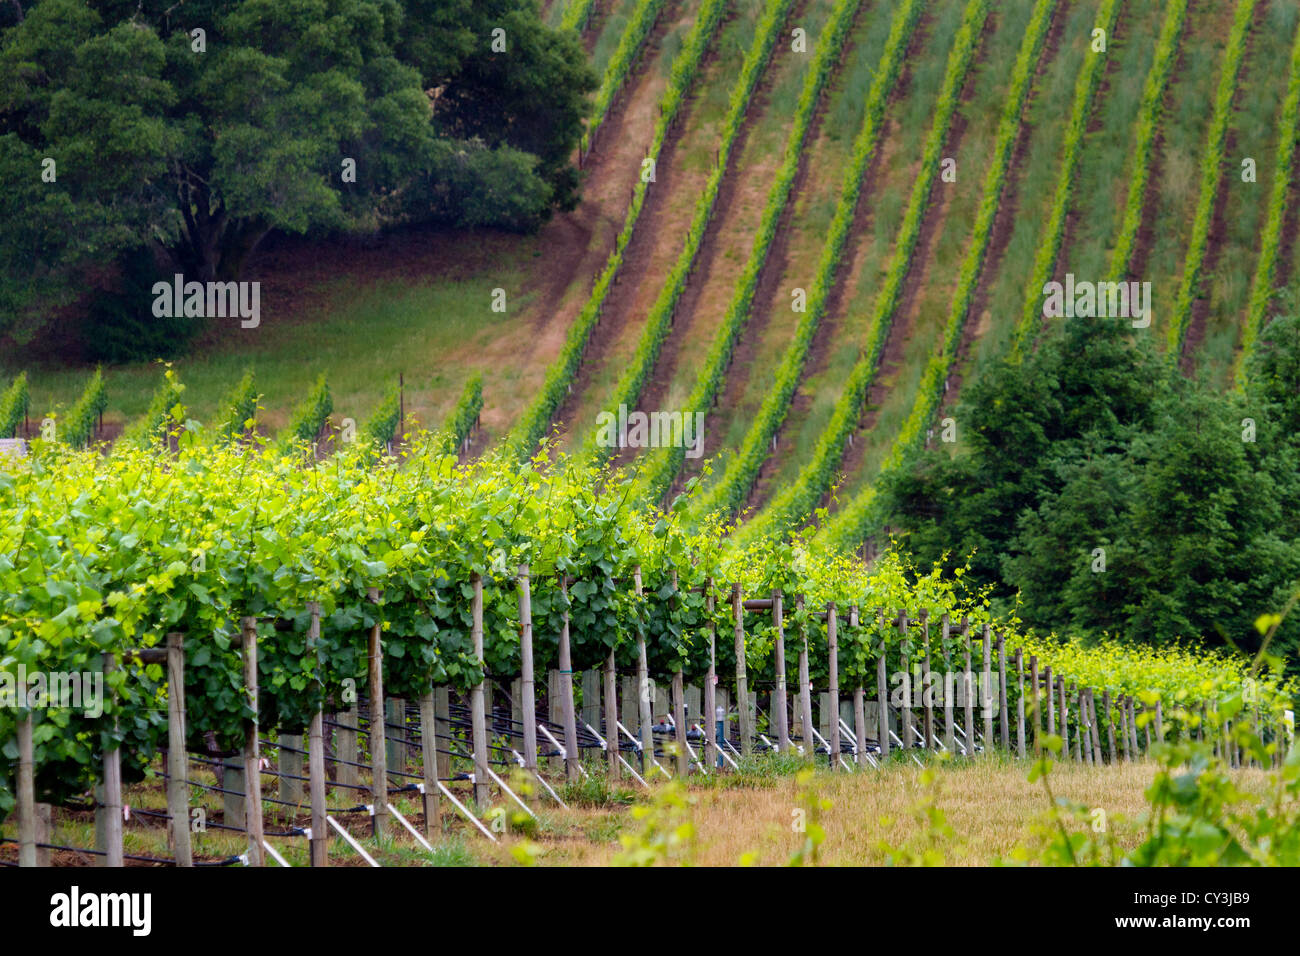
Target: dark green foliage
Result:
[343, 115]
[1093, 443]
[120, 326]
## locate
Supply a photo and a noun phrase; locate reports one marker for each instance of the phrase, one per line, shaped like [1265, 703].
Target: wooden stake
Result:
[429, 765]
[572, 756]
[252, 758]
[27, 790]
[1096, 729]
[318, 848]
[780, 708]
[611, 716]
[927, 685]
[643, 688]
[478, 700]
[986, 696]
[742, 684]
[1004, 711]
[968, 690]
[1020, 702]
[1037, 705]
[805, 689]
[906, 730]
[882, 690]
[949, 739]
[1110, 725]
[528, 690]
[833, 646]
[378, 741]
[178, 787]
[711, 755]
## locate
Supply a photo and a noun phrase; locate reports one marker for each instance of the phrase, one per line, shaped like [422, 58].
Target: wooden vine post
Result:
[968, 689]
[986, 696]
[178, 787]
[679, 706]
[805, 685]
[927, 687]
[528, 690]
[780, 707]
[571, 755]
[905, 731]
[252, 759]
[643, 686]
[319, 844]
[1049, 686]
[711, 755]
[1004, 712]
[1036, 706]
[1065, 716]
[1096, 728]
[478, 699]
[833, 650]
[429, 764]
[1123, 728]
[611, 715]
[1020, 703]
[26, 785]
[859, 700]
[949, 738]
[1110, 725]
[742, 683]
[378, 734]
[109, 815]
[882, 690]
[1085, 734]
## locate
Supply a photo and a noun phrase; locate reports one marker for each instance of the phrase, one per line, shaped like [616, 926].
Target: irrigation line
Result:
[406, 823]
[468, 816]
[502, 784]
[351, 842]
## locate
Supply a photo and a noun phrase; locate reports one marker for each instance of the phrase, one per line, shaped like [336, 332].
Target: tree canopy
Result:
[1109, 494]
[198, 127]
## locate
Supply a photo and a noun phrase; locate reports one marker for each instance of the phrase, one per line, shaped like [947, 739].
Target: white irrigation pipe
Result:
[564, 754]
[641, 750]
[844, 763]
[351, 842]
[775, 749]
[689, 749]
[538, 774]
[406, 823]
[844, 727]
[502, 784]
[276, 856]
[903, 746]
[469, 816]
[604, 745]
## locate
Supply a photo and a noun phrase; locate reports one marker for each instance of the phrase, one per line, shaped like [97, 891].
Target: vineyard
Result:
[371, 570]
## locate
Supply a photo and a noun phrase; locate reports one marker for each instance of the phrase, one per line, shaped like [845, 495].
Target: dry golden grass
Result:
[990, 806]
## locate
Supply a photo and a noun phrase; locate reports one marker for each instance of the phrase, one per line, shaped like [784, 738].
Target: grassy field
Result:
[994, 812]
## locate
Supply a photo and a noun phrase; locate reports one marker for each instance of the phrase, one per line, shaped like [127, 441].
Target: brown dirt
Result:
[745, 354]
[1198, 322]
[901, 330]
[1073, 215]
[708, 292]
[978, 322]
[651, 252]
